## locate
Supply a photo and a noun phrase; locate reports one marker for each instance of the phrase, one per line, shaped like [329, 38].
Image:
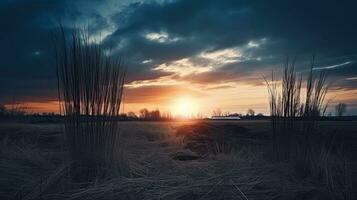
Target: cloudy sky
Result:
[212, 53]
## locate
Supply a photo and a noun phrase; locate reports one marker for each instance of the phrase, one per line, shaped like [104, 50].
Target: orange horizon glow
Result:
[237, 99]
[184, 106]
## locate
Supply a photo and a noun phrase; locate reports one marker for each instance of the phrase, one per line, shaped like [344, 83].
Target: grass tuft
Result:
[90, 88]
[295, 136]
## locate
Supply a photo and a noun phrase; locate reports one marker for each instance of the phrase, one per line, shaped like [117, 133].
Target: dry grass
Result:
[296, 138]
[90, 88]
[40, 173]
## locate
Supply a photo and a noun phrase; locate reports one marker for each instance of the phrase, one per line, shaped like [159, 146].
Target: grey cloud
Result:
[299, 28]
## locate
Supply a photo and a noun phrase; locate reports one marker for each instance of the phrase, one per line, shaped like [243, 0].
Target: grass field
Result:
[167, 160]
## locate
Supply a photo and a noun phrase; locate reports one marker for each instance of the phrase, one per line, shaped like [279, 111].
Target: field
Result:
[168, 160]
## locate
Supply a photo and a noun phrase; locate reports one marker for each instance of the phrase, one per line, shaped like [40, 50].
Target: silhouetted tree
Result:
[226, 114]
[144, 113]
[217, 112]
[155, 115]
[166, 116]
[251, 113]
[150, 115]
[132, 115]
[340, 109]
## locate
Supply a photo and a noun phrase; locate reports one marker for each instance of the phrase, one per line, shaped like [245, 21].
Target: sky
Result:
[205, 54]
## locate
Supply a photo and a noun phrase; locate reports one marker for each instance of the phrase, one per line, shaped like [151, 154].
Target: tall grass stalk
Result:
[90, 89]
[284, 106]
[288, 110]
[295, 137]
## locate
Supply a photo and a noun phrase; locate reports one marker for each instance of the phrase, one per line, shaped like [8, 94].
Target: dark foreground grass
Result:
[32, 166]
[296, 138]
[90, 88]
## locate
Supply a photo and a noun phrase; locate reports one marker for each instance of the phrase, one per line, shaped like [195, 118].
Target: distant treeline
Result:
[18, 113]
[56, 118]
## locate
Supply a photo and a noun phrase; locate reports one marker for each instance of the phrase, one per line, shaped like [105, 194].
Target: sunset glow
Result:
[178, 99]
[184, 107]
[184, 64]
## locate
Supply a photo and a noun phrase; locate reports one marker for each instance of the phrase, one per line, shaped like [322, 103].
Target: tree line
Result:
[17, 110]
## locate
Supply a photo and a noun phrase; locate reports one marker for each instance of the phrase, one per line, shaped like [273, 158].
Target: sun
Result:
[184, 107]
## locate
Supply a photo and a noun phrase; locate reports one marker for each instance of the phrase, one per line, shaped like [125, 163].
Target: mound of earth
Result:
[205, 138]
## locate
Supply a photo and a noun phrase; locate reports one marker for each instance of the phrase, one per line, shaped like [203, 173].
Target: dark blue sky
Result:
[205, 43]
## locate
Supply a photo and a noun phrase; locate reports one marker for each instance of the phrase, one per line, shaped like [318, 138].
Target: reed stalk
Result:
[296, 138]
[90, 89]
